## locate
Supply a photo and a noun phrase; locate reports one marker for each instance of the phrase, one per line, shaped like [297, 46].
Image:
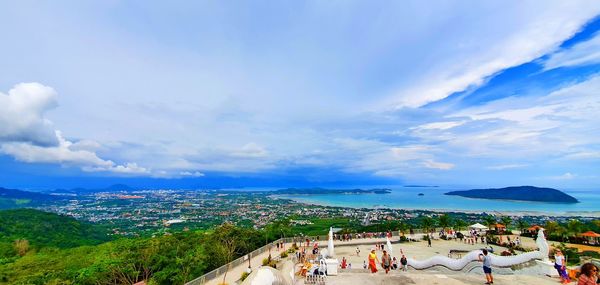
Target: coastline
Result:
[587, 214]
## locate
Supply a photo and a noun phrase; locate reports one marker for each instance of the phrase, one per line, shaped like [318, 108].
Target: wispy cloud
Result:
[506, 166]
[438, 165]
[583, 53]
[566, 176]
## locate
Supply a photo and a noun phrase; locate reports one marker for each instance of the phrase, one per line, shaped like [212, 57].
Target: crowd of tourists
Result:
[350, 236]
[380, 259]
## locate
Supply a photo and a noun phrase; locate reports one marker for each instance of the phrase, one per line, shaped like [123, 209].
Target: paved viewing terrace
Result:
[356, 274]
[431, 277]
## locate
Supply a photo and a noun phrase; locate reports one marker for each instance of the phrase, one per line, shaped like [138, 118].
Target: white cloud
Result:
[441, 125]
[582, 53]
[566, 176]
[250, 150]
[537, 31]
[127, 168]
[591, 154]
[526, 130]
[438, 165]
[22, 114]
[506, 166]
[191, 174]
[410, 152]
[385, 160]
[28, 136]
[65, 155]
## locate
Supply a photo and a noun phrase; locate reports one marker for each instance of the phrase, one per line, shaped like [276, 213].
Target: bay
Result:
[434, 199]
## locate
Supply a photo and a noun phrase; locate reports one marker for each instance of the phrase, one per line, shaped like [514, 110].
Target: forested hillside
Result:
[44, 248]
[42, 229]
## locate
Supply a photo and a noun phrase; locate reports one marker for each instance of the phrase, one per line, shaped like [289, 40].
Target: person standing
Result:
[386, 262]
[357, 251]
[428, 241]
[373, 260]
[404, 262]
[394, 263]
[589, 274]
[561, 267]
[487, 266]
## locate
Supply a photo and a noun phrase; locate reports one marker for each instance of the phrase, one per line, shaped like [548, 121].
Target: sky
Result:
[193, 94]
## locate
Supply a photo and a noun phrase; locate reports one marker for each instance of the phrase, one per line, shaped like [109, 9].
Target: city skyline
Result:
[300, 93]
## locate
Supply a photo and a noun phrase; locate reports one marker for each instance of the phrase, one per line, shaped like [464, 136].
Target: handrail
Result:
[218, 271]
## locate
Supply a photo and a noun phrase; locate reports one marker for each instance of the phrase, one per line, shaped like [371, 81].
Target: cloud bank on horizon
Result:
[453, 93]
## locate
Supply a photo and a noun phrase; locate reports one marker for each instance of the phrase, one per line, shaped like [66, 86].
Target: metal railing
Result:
[244, 259]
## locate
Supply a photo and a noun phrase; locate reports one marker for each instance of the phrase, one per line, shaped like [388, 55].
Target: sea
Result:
[433, 198]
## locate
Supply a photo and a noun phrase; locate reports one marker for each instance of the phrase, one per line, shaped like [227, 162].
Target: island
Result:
[518, 193]
[318, 191]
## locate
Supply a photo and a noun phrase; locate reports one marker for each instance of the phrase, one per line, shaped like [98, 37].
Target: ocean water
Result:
[434, 199]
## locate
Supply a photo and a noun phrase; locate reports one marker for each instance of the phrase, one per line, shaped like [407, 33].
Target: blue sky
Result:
[295, 93]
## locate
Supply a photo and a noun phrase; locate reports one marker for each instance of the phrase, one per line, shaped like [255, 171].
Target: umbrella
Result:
[478, 226]
[590, 234]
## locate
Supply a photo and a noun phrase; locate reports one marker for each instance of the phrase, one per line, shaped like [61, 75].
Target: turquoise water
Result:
[434, 199]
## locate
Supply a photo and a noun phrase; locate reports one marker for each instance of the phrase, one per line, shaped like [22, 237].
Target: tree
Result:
[229, 242]
[489, 221]
[427, 223]
[460, 224]
[403, 227]
[522, 224]
[506, 221]
[574, 227]
[21, 246]
[445, 221]
[555, 229]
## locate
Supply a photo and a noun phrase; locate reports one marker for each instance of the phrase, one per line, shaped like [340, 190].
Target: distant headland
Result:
[317, 191]
[518, 193]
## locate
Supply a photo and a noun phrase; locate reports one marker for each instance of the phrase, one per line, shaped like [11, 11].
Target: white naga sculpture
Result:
[496, 260]
[330, 251]
[266, 276]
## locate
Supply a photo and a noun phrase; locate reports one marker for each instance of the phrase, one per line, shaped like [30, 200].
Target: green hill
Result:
[44, 229]
[13, 198]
